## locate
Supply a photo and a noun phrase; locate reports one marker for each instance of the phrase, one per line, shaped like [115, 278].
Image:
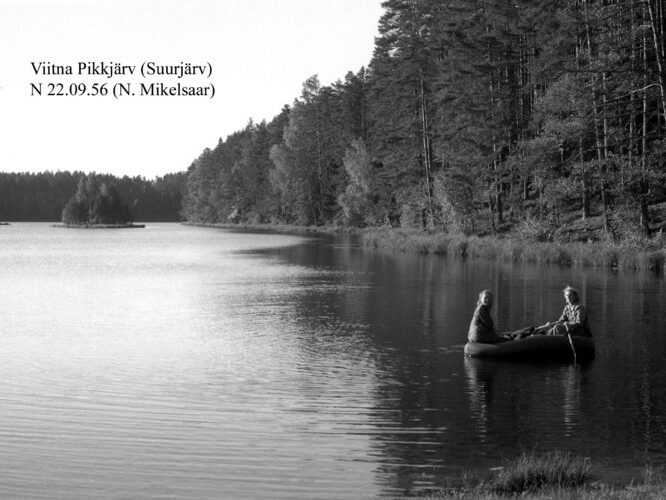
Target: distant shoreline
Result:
[100, 226]
[279, 228]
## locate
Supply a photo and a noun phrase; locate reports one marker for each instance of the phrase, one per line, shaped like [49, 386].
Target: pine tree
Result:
[402, 113]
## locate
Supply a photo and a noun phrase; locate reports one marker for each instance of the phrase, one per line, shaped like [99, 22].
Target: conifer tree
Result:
[402, 113]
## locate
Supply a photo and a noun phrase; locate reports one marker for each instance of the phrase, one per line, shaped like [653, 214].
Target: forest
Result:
[472, 117]
[42, 197]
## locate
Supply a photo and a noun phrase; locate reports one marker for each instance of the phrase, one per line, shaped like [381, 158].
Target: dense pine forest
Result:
[472, 117]
[43, 196]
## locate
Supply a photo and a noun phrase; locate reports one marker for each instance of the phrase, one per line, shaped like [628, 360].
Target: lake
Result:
[190, 362]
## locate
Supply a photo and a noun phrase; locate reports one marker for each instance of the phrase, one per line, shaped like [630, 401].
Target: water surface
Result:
[198, 362]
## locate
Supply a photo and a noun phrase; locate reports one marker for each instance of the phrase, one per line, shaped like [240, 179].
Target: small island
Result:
[96, 205]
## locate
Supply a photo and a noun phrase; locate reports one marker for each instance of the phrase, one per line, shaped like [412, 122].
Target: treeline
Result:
[471, 116]
[43, 196]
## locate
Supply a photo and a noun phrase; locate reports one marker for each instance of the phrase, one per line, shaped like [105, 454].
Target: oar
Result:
[572, 346]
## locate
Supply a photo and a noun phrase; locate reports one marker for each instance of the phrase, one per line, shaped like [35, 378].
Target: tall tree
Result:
[402, 112]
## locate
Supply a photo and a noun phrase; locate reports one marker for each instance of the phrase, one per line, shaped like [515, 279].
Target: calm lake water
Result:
[178, 361]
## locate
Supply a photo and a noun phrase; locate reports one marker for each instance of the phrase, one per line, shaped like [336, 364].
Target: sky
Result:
[258, 54]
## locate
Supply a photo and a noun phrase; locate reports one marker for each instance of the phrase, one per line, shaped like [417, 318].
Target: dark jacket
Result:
[482, 329]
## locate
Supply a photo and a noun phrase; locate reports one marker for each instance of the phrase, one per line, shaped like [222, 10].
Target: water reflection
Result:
[433, 406]
[479, 377]
[492, 384]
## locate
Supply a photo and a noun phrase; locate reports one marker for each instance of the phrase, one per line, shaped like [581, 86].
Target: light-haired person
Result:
[482, 328]
[573, 320]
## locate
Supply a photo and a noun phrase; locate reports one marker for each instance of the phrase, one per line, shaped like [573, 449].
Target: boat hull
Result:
[537, 348]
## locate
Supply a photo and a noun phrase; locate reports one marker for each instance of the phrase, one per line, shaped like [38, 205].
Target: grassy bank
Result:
[598, 253]
[553, 475]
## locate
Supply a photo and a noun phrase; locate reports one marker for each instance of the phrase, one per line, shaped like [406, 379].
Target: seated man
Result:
[573, 320]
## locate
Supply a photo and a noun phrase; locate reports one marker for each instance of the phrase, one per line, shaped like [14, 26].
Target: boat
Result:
[537, 348]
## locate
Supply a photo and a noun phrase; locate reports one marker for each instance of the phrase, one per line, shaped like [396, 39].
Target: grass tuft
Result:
[532, 473]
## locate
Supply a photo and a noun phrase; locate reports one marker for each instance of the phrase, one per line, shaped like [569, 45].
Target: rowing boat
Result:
[538, 348]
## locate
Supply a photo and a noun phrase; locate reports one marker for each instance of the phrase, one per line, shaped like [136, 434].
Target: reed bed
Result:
[591, 254]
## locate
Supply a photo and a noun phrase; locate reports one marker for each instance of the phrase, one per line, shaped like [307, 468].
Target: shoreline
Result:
[100, 226]
[279, 228]
[586, 254]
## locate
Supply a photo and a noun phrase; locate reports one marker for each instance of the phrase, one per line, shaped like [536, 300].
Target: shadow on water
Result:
[437, 414]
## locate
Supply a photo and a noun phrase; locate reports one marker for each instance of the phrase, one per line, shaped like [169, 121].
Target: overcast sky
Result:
[260, 52]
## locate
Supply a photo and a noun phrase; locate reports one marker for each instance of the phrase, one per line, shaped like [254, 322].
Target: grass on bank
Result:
[597, 253]
[554, 475]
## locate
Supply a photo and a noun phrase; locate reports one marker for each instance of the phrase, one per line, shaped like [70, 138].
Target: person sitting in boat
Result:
[482, 328]
[574, 317]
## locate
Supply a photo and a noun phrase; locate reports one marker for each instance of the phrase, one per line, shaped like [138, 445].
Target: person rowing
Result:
[573, 320]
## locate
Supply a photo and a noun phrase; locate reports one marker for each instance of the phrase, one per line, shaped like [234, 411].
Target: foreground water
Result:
[195, 362]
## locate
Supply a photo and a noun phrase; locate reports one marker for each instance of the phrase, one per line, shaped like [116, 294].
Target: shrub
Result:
[532, 229]
[455, 196]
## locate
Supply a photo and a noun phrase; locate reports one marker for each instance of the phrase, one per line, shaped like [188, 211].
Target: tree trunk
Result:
[632, 102]
[427, 148]
[645, 215]
[525, 190]
[657, 38]
[491, 210]
[645, 101]
[312, 203]
[604, 168]
[584, 187]
[320, 173]
[498, 187]
[597, 137]
[644, 212]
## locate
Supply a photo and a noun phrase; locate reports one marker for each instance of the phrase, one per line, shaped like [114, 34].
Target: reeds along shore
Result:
[554, 475]
[597, 253]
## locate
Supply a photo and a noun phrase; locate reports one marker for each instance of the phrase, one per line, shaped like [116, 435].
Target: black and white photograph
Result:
[332, 249]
